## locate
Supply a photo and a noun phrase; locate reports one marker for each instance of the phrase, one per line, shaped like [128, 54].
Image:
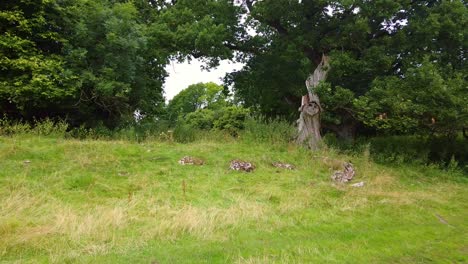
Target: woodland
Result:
[388, 67]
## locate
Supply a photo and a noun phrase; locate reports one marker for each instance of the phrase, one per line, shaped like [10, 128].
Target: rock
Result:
[26, 161]
[240, 165]
[187, 160]
[283, 165]
[123, 173]
[358, 184]
[346, 175]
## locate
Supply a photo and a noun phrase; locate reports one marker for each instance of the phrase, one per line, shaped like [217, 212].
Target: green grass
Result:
[97, 201]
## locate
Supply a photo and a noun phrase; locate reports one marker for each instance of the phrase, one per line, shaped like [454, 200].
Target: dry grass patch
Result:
[98, 223]
[211, 223]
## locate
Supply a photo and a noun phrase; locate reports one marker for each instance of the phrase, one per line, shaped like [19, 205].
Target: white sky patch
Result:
[181, 75]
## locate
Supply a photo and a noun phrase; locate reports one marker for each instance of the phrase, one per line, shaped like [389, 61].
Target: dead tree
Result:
[309, 119]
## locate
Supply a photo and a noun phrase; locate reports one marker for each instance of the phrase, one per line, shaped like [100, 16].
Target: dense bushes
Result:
[446, 152]
[229, 118]
[202, 119]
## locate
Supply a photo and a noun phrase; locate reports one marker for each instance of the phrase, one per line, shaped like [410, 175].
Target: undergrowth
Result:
[451, 154]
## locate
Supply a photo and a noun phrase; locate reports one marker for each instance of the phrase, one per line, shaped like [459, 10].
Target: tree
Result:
[88, 61]
[365, 41]
[320, 30]
[427, 93]
[195, 97]
[118, 71]
[313, 30]
[33, 78]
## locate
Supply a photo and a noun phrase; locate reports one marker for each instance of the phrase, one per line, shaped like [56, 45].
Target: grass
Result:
[96, 201]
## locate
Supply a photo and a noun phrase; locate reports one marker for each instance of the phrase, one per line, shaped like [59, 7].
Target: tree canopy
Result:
[87, 61]
[195, 97]
[397, 66]
[378, 49]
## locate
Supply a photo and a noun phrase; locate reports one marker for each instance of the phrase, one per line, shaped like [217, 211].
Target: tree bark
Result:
[309, 119]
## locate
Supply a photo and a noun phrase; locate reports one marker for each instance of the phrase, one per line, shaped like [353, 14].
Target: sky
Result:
[184, 74]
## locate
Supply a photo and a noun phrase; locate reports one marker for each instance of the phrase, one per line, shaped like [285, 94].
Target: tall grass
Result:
[45, 127]
[274, 131]
[450, 154]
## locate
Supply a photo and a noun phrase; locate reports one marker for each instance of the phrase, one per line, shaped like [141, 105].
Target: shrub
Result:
[202, 119]
[184, 133]
[43, 127]
[231, 119]
[80, 132]
[443, 151]
[48, 127]
[8, 127]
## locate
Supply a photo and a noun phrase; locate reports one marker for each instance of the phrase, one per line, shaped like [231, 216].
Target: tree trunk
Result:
[346, 130]
[309, 119]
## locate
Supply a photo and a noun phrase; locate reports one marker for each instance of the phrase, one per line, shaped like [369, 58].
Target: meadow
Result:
[66, 200]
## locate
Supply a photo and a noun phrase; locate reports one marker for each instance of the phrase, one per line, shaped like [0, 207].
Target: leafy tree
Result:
[366, 41]
[301, 31]
[89, 61]
[107, 48]
[422, 101]
[427, 92]
[195, 97]
[33, 78]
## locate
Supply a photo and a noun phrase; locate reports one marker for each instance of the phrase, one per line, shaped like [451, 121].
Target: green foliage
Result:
[418, 150]
[48, 127]
[273, 131]
[378, 49]
[195, 97]
[201, 28]
[184, 133]
[205, 106]
[87, 61]
[32, 72]
[202, 119]
[12, 127]
[397, 67]
[271, 83]
[45, 127]
[422, 101]
[336, 101]
[231, 119]
[108, 48]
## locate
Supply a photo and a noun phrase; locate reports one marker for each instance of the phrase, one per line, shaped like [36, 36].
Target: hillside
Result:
[65, 200]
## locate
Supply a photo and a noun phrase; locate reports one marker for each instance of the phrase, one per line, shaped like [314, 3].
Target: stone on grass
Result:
[187, 160]
[358, 184]
[240, 165]
[283, 165]
[346, 175]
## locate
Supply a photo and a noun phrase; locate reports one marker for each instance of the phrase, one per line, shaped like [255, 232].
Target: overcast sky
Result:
[184, 74]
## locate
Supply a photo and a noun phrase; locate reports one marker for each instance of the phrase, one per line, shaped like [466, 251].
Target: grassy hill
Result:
[97, 201]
